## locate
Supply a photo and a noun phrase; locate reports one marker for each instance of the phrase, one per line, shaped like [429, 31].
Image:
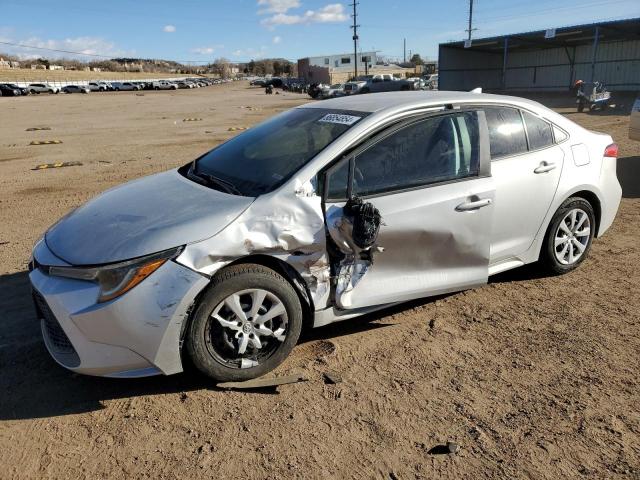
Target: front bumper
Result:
[135, 335]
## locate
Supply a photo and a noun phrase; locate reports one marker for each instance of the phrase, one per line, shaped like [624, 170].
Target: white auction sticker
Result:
[338, 118]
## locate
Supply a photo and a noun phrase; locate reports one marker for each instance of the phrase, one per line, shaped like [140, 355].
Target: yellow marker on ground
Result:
[45, 142]
[56, 165]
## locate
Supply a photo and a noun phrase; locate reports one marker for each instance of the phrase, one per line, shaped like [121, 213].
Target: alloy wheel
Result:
[572, 236]
[246, 328]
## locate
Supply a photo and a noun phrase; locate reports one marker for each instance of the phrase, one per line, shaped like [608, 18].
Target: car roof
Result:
[378, 102]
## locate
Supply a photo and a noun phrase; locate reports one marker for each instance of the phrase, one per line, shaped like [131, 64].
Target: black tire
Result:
[365, 90]
[228, 281]
[548, 258]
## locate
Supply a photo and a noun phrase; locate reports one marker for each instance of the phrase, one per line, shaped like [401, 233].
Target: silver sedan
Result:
[320, 214]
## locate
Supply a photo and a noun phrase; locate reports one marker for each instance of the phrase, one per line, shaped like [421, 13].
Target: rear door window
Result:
[506, 132]
[539, 131]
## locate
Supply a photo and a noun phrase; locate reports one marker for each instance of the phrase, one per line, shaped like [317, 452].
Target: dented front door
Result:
[435, 231]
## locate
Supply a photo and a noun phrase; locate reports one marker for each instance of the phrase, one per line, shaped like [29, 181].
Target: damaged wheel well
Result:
[275, 264]
[291, 275]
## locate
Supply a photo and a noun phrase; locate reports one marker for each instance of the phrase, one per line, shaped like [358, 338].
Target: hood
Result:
[141, 217]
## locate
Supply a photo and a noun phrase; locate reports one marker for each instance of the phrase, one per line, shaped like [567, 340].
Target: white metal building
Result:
[344, 60]
[550, 60]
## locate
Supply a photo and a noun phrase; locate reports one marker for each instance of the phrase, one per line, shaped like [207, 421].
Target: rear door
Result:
[429, 179]
[526, 166]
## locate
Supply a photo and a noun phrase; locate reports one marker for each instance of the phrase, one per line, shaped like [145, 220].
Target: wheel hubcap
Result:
[572, 236]
[246, 328]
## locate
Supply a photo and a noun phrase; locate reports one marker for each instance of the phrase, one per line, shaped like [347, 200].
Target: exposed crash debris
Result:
[34, 129]
[44, 166]
[366, 222]
[263, 382]
[354, 228]
[191, 119]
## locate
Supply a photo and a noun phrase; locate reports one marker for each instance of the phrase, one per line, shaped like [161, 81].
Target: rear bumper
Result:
[137, 334]
[611, 192]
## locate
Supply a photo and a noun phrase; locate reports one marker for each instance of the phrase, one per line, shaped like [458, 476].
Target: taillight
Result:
[611, 151]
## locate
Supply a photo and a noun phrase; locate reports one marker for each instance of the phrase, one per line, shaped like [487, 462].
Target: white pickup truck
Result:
[386, 83]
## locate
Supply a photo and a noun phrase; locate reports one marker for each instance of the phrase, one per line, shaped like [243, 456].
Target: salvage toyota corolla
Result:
[322, 213]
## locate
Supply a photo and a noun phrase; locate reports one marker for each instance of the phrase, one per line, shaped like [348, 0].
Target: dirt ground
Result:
[533, 376]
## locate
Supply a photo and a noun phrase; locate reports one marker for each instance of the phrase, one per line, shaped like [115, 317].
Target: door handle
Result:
[545, 167]
[475, 205]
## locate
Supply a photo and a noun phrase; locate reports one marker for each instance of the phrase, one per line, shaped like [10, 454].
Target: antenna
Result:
[355, 37]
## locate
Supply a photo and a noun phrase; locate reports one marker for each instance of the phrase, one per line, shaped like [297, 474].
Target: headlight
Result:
[118, 278]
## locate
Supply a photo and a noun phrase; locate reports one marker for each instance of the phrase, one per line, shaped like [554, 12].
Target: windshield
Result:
[267, 155]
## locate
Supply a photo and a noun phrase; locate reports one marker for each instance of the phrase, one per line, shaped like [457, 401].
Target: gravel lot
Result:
[533, 376]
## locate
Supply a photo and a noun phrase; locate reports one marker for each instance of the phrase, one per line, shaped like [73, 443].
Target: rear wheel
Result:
[569, 236]
[245, 325]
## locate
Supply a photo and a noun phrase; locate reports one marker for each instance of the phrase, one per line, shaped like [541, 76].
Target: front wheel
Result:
[569, 236]
[245, 325]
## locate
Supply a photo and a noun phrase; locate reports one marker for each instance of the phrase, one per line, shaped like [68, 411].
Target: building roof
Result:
[564, 37]
[375, 52]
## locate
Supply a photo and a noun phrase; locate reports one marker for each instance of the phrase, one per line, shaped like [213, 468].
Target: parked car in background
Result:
[324, 212]
[353, 87]
[97, 87]
[164, 85]
[22, 90]
[258, 82]
[76, 89]
[431, 81]
[386, 83]
[42, 88]
[183, 84]
[332, 91]
[124, 86]
[9, 91]
[634, 121]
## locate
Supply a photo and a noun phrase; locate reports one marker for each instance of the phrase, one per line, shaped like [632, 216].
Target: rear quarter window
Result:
[539, 131]
[506, 132]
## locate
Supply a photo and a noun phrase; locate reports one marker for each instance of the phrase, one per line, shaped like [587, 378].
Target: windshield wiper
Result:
[213, 180]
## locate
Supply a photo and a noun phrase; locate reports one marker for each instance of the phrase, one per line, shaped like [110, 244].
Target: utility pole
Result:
[470, 29]
[404, 51]
[355, 37]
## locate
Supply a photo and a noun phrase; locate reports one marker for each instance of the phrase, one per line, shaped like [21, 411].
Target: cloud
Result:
[244, 53]
[204, 50]
[277, 6]
[277, 39]
[169, 28]
[331, 13]
[85, 46]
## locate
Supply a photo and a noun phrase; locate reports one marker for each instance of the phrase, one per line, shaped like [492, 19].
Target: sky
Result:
[240, 30]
